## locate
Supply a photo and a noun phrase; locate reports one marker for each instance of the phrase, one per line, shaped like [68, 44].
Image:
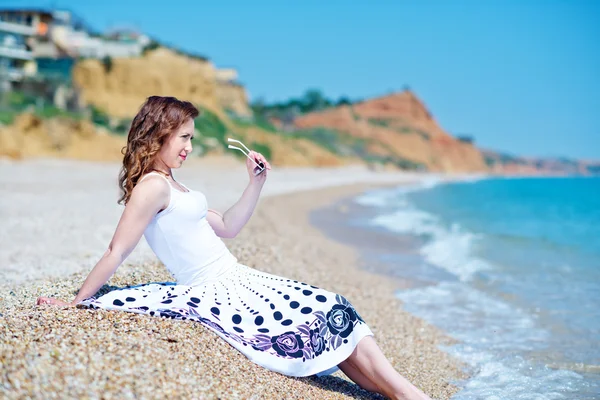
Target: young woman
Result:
[281, 324]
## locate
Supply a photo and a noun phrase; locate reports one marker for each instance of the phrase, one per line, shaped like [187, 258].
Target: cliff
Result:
[400, 126]
[393, 131]
[32, 136]
[232, 96]
[506, 164]
[119, 86]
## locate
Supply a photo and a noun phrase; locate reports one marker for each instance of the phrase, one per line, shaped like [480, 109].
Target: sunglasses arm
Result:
[246, 154]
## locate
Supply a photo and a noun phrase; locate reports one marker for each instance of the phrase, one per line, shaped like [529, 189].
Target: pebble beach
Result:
[58, 217]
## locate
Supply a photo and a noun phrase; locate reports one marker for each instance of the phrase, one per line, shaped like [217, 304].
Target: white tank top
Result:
[184, 241]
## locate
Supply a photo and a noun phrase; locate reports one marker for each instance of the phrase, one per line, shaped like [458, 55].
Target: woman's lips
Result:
[183, 157]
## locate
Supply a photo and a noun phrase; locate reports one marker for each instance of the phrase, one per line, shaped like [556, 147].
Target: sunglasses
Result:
[260, 166]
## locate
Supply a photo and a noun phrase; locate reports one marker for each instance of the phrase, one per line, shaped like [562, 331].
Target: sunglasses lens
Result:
[259, 169]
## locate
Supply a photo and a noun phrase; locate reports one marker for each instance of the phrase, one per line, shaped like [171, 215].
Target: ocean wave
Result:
[492, 335]
[448, 248]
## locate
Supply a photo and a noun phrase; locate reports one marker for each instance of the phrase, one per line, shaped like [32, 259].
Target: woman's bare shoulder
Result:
[153, 188]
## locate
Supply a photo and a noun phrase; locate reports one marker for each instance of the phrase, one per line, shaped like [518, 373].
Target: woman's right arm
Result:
[147, 199]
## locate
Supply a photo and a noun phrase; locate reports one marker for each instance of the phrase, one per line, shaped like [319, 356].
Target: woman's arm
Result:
[147, 199]
[234, 219]
[231, 223]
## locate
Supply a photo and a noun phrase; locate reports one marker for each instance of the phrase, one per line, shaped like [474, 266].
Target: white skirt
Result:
[286, 326]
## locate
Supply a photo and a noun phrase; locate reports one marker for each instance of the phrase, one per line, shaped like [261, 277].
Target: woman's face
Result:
[176, 149]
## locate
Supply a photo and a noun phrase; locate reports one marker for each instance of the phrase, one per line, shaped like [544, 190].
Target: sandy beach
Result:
[58, 217]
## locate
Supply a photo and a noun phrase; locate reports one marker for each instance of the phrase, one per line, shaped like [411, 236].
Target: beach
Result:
[58, 217]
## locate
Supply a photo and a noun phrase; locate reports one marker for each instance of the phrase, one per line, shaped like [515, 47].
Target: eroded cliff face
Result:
[400, 125]
[231, 96]
[30, 136]
[120, 86]
[397, 126]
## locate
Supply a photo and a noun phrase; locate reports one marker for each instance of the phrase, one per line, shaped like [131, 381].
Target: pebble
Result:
[49, 352]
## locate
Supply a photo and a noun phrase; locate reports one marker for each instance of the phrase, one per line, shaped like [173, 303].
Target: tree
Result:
[313, 100]
[343, 101]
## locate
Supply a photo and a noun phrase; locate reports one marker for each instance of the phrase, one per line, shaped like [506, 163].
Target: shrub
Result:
[99, 117]
[262, 148]
[107, 62]
[210, 125]
[379, 122]
[7, 116]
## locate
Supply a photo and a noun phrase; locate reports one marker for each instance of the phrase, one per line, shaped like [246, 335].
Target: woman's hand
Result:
[262, 177]
[53, 301]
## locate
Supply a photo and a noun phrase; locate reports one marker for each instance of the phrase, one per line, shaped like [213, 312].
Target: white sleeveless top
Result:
[184, 241]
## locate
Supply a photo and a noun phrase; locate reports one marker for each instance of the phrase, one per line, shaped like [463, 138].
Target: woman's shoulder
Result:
[152, 176]
[152, 185]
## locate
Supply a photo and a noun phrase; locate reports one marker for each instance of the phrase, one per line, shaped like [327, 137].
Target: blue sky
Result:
[519, 76]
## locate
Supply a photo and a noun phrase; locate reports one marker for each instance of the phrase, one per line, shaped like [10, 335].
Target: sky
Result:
[519, 76]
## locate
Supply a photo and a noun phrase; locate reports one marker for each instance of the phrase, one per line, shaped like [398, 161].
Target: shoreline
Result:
[95, 351]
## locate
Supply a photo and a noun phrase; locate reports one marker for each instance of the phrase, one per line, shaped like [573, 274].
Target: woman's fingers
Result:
[51, 301]
[262, 158]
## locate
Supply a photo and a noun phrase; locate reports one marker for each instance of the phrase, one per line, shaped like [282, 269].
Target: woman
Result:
[281, 324]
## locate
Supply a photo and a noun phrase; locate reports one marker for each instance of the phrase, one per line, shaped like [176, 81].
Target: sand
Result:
[49, 352]
[58, 216]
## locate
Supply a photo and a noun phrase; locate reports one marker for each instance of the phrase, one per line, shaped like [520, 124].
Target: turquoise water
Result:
[512, 269]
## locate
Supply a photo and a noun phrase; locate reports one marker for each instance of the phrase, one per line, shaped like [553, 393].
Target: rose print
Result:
[288, 344]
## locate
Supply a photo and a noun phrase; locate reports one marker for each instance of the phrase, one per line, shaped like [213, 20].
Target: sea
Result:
[510, 267]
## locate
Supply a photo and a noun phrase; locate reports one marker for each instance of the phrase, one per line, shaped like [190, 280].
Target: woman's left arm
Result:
[231, 223]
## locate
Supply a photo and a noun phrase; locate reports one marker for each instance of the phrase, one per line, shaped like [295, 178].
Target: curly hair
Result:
[157, 119]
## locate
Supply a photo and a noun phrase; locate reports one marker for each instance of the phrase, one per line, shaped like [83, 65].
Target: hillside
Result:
[119, 86]
[395, 131]
[400, 127]
[507, 164]
[30, 135]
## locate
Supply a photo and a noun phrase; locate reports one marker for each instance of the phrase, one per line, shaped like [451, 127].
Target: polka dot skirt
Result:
[284, 325]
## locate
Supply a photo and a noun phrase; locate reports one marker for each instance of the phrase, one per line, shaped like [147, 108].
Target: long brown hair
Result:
[157, 119]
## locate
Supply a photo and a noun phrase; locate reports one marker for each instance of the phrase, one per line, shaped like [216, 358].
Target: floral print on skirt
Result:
[284, 325]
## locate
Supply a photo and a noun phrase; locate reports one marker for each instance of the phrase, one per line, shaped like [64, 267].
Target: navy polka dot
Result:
[294, 304]
[215, 310]
[272, 306]
[306, 310]
[287, 322]
[306, 292]
[263, 330]
[238, 329]
[236, 319]
[195, 300]
[321, 298]
[287, 297]
[118, 302]
[259, 320]
[130, 299]
[277, 315]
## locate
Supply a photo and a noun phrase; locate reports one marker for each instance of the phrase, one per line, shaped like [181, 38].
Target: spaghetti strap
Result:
[165, 178]
[154, 173]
